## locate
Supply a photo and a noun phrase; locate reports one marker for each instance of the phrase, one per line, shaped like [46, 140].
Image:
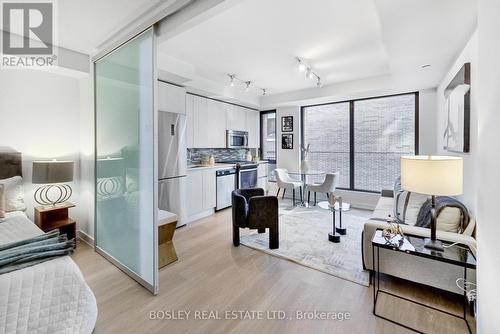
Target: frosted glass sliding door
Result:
[126, 167]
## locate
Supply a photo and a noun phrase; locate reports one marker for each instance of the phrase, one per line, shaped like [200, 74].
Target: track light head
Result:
[264, 91]
[231, 80]
[300, 65]
[247, 88]
[309, 73]
[318, 83]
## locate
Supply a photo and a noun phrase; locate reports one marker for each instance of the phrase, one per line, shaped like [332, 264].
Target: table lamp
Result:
[53, 174]
[435, 176]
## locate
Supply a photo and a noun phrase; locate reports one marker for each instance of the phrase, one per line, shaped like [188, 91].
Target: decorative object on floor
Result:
[253, 210]
[304, 163]
[328, 186]
[54, 174]
[50, 218]
[167, 222]
[456, 137]
[330, 205]
[284, 181]
[302, 240]
[287, 124]
[435, 176]
[287, 141]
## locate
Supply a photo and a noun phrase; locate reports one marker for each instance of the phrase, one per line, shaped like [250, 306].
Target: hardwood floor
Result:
[212, 275]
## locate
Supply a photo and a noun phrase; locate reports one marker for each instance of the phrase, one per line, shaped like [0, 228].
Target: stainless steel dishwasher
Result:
[226, 183]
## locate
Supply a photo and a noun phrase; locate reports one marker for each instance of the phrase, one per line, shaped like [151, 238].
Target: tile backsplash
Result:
[196, 155]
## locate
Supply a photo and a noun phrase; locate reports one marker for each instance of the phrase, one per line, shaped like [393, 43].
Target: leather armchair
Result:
[251, 209]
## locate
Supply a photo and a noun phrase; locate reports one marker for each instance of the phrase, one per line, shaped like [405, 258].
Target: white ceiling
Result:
[342, 41]
[84, 24]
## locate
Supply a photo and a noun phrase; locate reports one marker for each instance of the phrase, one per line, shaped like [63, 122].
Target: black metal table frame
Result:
[377, 290]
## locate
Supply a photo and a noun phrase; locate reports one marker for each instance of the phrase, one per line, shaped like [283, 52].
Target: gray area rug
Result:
[304, 240]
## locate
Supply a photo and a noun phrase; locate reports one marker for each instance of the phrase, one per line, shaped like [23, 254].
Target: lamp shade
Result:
[52, 171]
[432, 175]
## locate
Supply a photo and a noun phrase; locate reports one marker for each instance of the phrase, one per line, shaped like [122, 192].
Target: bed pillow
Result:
[2, 201]
[14, 194]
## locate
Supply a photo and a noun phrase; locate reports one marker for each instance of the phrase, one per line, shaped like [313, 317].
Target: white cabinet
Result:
[209, 123]
[202, 192]
[253, 128]
[216, 125]
[189, 121]
[171, 98]
[262, 172]
[236, 118]
[209, 189]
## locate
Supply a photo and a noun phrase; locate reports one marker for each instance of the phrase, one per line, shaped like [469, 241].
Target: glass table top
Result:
[326, 205]
[457, 254]
[306, 172]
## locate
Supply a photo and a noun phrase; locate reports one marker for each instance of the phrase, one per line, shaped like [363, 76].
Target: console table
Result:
[459, 255]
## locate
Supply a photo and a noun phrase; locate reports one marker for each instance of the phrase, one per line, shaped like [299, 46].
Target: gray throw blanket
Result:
[29, 252]
[424, 215]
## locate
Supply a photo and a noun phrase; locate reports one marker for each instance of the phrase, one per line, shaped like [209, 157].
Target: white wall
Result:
[487, 153]
[289, 159]
[469, 54]
[40, 117]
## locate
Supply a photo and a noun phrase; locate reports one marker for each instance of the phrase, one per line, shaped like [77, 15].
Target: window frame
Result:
[352, 132]
[261, 142]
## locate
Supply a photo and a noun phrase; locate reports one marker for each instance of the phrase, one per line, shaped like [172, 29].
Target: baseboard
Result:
[86, 238]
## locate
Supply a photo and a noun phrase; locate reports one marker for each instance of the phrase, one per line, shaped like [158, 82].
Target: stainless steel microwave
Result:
[236, 139]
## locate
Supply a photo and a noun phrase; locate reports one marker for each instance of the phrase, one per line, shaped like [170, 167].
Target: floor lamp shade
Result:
[53, 174]
[435, 176]
[432, 175]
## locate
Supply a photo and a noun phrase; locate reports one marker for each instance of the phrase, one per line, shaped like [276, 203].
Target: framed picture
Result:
[287, 124]
[456, 136]
[287, 141]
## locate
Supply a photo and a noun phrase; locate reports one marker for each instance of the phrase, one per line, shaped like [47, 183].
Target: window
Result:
[326, 129]
[362, 139]
[268, 140]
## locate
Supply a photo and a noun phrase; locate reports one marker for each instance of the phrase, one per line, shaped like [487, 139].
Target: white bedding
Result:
[50, 297]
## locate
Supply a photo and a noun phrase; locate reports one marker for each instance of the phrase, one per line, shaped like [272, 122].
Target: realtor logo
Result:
[27, 33]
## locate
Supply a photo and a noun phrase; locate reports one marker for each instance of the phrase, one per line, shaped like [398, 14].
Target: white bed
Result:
[50, 297]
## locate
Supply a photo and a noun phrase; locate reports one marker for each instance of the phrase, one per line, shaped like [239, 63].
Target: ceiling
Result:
[84, 24]
[343, 41]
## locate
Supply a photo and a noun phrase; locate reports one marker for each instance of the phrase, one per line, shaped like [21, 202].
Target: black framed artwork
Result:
[287, 124]
[287, 141]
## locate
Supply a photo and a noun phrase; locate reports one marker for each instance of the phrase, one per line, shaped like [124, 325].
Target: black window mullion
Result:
[351, 145]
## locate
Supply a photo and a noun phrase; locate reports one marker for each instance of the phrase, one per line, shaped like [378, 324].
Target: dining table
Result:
[303, 177]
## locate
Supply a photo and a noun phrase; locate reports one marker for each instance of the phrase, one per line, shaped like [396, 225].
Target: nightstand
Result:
[51, 217]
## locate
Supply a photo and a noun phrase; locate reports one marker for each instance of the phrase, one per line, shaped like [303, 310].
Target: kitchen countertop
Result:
[165, 217]
[218, 166]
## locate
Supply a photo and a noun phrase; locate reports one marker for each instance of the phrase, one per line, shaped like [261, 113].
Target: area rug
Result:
[304, 240]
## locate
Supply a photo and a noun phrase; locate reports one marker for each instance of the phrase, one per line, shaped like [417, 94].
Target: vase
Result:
[304, 165]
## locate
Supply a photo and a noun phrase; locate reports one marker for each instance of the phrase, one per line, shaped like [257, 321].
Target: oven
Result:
[236, 139]
[247, 176]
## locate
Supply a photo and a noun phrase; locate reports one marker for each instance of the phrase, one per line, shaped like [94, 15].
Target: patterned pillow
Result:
[406, 204]
[14, 194]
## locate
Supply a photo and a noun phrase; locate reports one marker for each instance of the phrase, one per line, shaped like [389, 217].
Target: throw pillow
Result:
[449, 220]
[2, 201]
[406, 204]
[14, 194]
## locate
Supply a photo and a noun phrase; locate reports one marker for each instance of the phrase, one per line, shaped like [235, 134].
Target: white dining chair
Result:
[328, 186]
[285, 182]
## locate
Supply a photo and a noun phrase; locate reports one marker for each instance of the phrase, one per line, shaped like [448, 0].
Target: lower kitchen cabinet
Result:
[202, 193]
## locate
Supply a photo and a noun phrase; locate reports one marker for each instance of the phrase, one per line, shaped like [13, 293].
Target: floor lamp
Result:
[434, 176]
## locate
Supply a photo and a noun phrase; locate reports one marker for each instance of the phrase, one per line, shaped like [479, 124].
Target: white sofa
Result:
[413, 268]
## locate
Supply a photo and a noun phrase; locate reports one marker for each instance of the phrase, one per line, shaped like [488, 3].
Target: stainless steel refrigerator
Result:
[172, 169]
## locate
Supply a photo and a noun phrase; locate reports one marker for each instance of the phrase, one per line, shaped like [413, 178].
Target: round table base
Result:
[333, 237]
[341, 231]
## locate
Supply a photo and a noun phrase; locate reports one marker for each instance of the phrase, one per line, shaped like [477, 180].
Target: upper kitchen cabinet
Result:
[253, 128]
[209, 123]
[236, 118]
[171, 98]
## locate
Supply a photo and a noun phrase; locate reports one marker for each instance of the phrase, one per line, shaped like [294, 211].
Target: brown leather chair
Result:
[253, 210]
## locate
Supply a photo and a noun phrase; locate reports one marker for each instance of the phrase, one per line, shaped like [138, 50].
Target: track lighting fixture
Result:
[233, 79]
[309, 72]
